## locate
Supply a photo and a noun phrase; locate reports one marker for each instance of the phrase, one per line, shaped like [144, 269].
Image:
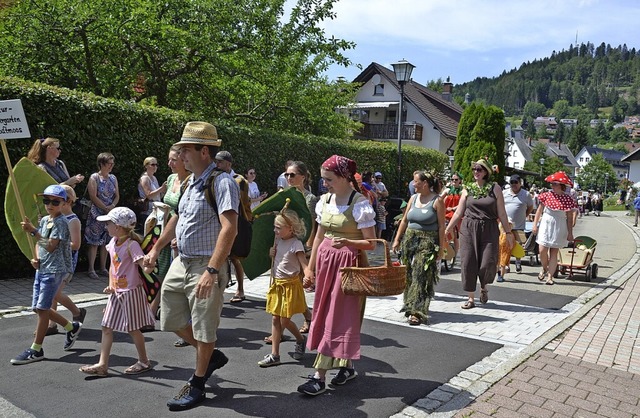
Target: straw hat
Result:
[486, 165]
[200, 133]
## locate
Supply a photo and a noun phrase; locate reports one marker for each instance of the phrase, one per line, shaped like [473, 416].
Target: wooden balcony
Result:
[410, 131]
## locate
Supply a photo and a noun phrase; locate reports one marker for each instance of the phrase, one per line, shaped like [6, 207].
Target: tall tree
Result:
[597, 173]
[480, 134]
[578, 138]
[240, 61]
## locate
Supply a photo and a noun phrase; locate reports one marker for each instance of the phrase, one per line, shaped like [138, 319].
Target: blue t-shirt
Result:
[59, 260]
[636, 203]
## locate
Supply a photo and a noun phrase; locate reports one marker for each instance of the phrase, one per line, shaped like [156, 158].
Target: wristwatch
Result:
[212, 270]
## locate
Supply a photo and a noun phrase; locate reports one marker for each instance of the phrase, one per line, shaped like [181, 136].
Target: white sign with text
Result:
[13, 123]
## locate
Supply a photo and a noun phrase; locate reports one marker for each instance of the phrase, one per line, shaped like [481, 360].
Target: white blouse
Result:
[363, 212]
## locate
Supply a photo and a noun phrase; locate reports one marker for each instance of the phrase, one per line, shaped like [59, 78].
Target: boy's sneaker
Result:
[343, 376]
[518, 266]
[29, 356]
[500, 278]
[72, 336]
[299, 349]
[269, 360]
[313, 387]
[80, 317]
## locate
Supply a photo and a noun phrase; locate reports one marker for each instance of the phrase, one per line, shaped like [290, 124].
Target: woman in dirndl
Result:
[346, 221]
[555, 214]
[421, 248]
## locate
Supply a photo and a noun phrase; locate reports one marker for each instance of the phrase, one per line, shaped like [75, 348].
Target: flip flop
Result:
[484, 296]
[237, 299]
[98, 371]
[138, 368]
[542, 275]
[269, 341]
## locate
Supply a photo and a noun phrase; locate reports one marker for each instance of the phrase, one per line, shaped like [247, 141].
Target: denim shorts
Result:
[45, 287]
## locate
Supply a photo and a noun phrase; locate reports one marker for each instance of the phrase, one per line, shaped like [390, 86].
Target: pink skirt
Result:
[335, 327]
[128, 311]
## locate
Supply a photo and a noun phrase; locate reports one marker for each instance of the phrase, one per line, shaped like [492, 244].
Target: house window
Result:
[514, 153]
[391, 116]
[378, 90]
[581, 159]
[516, 164]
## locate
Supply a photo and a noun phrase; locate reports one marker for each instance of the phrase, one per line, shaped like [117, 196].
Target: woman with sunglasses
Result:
[254, 192]
[45, 154]
[149, 188]
[451, 197]
[555, 229]
[482, 205]
[298, 176]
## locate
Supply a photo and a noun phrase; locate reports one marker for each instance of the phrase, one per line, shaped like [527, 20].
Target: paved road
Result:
[401, 365]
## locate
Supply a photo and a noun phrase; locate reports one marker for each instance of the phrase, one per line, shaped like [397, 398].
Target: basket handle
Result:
[387, 256]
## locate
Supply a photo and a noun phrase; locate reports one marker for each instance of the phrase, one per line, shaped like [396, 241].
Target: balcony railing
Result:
[410, 131]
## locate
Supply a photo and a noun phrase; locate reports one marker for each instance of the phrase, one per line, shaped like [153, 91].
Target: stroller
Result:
[579, 256]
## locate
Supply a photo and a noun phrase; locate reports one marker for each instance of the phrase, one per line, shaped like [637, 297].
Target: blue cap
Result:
[55, 190]
[378, 174]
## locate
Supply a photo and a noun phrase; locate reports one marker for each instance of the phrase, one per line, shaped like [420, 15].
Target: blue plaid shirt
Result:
[198, 225]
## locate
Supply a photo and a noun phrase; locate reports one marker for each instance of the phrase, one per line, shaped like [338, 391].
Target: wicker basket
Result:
[386, 280]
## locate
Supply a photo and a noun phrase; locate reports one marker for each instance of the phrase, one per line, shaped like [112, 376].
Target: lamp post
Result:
[541, 161]
[403, 70]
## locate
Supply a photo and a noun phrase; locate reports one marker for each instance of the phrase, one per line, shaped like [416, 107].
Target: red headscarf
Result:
[559, 177]
[342, 166]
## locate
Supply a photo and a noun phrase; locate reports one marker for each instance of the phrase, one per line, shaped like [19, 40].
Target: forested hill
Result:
[587, 76]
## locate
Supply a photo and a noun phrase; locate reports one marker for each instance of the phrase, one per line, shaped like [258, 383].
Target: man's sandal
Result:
[484, 296]
[306, 325]
[414, 320]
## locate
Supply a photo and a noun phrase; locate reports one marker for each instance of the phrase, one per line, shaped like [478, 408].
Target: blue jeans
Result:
[45, 287]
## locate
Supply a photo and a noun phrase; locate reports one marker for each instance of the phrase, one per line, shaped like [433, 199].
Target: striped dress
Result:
[127, 308]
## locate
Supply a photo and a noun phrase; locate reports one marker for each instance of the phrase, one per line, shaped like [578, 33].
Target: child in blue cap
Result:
[52, 264]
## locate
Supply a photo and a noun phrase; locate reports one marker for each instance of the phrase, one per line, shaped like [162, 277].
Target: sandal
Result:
[93, 275]
[237, 299]
[138, 368]
[414, 320]
[269, 341]
[469, 304]
[549, 280]
[306, 325]
[484, 296]
[180, 343]
[542, 275]
[95, 370]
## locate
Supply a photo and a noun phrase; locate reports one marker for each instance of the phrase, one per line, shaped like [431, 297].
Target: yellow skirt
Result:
[285, 297]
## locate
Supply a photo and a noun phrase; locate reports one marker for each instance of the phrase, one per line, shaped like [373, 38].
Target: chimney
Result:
[447, 90]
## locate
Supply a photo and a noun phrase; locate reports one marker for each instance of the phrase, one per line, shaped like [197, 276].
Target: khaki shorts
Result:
[179, 304]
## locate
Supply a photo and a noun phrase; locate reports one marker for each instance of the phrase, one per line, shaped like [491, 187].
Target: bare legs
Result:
[549, 260]
[91, 256]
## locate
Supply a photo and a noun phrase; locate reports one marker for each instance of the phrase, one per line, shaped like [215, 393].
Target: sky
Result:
[465, 39]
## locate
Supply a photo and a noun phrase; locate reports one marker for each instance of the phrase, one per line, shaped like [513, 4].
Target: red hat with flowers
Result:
[559, 177]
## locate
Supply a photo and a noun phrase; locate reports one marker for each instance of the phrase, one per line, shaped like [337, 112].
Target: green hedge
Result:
[87, 125]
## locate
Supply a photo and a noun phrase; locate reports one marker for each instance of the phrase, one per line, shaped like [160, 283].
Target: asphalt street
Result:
[398, 366]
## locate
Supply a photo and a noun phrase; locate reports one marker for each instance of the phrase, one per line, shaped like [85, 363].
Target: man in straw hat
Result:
[192, 291]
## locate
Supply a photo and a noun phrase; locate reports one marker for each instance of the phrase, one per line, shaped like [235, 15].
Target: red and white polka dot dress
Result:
[553, 231]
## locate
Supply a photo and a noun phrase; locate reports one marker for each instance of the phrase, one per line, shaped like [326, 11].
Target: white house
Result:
[520, 150]
[633, 159]
[430, 119]
[613, 157]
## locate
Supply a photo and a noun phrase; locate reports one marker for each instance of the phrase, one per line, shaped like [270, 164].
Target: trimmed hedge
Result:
[88, 125]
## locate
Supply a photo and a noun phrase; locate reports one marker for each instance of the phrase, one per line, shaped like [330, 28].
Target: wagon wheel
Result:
[588, 273]
[594, 271]
[563, 270]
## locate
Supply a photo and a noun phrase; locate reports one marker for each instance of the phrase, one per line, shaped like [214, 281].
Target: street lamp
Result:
[403, 70]
[541, 161]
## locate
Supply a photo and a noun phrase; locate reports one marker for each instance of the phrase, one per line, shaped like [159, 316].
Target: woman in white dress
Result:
[254, 193]
[555, 228]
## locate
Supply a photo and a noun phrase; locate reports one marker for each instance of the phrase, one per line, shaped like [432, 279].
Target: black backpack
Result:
[242, 243]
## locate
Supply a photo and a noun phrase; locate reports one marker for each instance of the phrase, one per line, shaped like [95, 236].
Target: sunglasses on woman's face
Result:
[290, 175]
[51, 202]
[154, 164]
[477, 169]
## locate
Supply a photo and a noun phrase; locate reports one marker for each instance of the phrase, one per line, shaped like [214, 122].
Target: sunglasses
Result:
[251, 172]
[477, 169]
[455, 179]
[514, 182]
[154, 164]
[290, 175]
[51, 202]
